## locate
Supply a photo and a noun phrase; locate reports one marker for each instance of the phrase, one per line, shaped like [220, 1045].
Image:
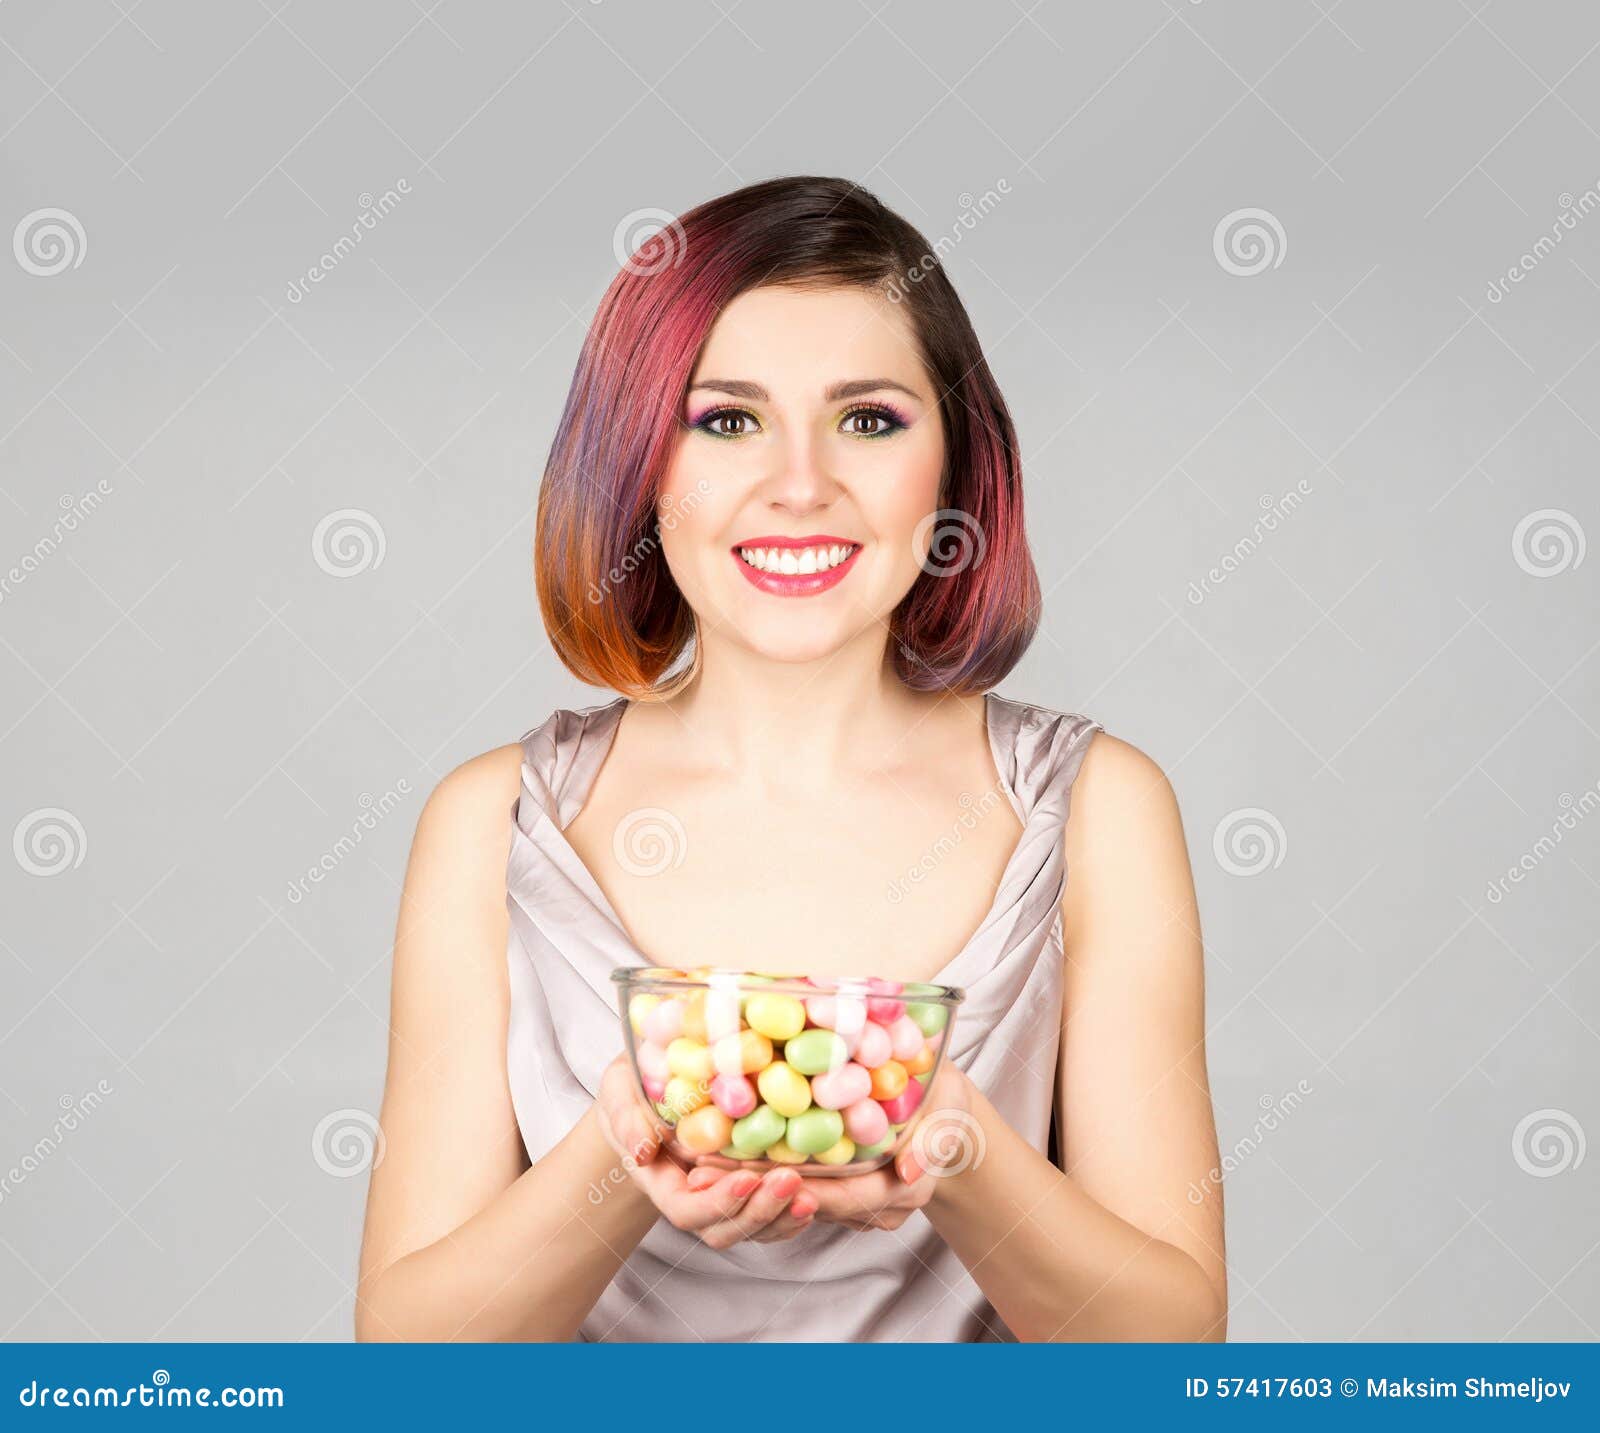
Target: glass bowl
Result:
[752, 1070]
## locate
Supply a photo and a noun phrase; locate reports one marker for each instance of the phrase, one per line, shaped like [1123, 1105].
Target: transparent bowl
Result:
[750, 1070]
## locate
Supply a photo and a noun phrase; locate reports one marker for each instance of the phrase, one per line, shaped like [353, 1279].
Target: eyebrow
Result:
[855, 388]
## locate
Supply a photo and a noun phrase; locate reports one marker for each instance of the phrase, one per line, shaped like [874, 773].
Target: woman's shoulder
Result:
[1106, 768]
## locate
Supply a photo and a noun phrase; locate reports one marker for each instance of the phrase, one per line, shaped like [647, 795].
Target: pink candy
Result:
[654, 1089]
[865, 1121]
[874, 1047]
[904, 1105]
[653, 1059]
[848, 1085]
[734, 1095]
[845, 1015]
[722, 1014]
[664, 1023]
[906, 1038]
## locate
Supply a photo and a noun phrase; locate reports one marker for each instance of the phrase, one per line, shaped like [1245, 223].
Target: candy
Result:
[639, 1007]
[734, 1095]
[741, 1054]
[785, 1088]
[903, 1105]
[889, 1080]
[872, 1151]
[841, 1153]
[652, 1060]
[775, 1016]
[875, 1047]
[705, 1130]
[905, 1038]
[689, 1059]
[814, 1131]
[758, 1131]
[879, 1007]
[694, 1016]
[838, 1088]
[722, 1014]
[683, 1096]
[930, 1018]
[815, 1052]
[780, 1153]
[865, 1122]
[654, 1090]
[664, 1023]
[846, 1015]
[921, 1063]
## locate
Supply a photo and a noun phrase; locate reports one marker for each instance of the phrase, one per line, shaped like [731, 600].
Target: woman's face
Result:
[793, 510]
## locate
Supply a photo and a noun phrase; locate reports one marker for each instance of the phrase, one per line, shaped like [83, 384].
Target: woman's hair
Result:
[612, 609]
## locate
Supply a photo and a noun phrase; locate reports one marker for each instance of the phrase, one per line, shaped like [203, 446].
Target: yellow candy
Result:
[640, 1006]
[742, 1054]
[785, 1089]
[921, 1062]
[682, 1097]
[690, 1060]
[705, 1130]
[780, 1153]
[841, 1153]
[694, 1016]
[775, 1016]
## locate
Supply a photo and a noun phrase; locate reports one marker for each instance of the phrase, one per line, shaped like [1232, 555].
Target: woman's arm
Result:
[1114, 1248]
[462, 1239]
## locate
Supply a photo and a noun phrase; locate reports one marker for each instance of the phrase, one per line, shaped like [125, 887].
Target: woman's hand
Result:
[945, 1139]
[721, 1207]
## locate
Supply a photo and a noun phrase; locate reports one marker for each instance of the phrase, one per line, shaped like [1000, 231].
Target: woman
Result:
[782, 516]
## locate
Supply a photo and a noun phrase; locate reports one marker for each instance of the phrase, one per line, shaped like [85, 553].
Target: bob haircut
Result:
[613, 612]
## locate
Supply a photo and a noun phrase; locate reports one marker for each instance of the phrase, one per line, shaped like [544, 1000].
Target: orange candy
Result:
[694, 1016]
[921, 1062]
[705, 1130]
[889, 1080]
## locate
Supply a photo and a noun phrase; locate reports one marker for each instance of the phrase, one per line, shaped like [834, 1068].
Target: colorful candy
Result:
[841, 1153]
[785, 1089]
[865, 1122]
[814, 1131]
[775, 1016]
[904, 1105]
[758, 1131]
[689, 1059]
[705, 1130]
[744, 1053]
[815, 1052]
[838, 1088]
[889, 1080]
[734, 1095]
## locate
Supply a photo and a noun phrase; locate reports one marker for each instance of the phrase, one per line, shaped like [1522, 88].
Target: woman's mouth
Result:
[796, 566]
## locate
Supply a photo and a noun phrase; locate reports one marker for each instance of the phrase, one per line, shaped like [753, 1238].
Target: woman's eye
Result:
[870, 423]
[728, 423]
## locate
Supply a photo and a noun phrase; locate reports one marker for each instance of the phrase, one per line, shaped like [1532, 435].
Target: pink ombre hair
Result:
[613, 611]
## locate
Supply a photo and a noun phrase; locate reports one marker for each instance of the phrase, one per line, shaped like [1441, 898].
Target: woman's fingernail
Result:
[803, 1207]
[744, 1184]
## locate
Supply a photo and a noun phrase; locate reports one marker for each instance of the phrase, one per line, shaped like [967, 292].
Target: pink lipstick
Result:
[796, 566]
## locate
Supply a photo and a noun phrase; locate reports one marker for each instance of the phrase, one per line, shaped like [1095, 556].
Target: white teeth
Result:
[791, 561]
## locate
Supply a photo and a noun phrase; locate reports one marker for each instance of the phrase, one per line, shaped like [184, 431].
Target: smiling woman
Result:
[782, 518]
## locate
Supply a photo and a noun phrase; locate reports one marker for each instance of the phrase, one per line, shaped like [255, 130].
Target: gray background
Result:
[1405, 688]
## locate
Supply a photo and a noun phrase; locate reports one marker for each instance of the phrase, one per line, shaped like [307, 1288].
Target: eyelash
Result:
[895, 421]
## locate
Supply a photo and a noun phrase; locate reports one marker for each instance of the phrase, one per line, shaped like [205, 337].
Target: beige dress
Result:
[828, 1283]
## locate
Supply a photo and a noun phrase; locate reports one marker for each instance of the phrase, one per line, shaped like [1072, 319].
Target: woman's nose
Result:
[803, 483]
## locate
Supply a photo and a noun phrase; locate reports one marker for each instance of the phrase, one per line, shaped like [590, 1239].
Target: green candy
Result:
[930, 1019]
[872, 1151]
[758, 1131]
[815, 1052]
[923, 1079]
[814, 1131]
